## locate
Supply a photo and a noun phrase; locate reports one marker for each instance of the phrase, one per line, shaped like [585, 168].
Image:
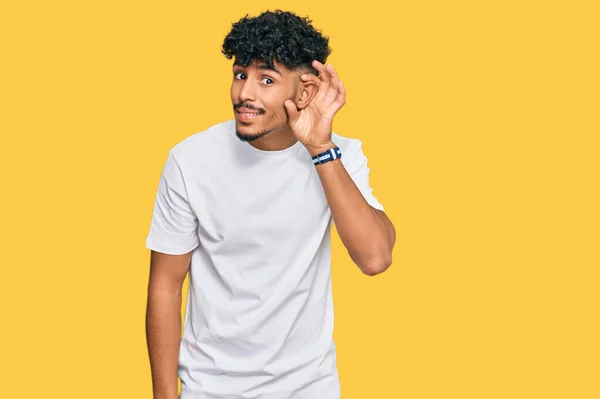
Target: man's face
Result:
[257, 94]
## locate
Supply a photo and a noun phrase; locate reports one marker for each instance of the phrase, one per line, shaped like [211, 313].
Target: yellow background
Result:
[481, 125]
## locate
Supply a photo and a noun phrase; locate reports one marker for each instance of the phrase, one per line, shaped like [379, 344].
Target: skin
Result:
[259, 89]
[294, 106]
[163, 320]
[298, 106]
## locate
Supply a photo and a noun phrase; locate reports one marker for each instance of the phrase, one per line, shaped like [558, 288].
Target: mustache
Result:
[249, 106]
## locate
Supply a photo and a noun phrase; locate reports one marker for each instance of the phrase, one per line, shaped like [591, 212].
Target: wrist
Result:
[316, 150]
[327, 156]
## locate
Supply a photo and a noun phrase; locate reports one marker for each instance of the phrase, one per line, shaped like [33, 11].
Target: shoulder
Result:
[351, 148]
[203, 143]
[345, 142]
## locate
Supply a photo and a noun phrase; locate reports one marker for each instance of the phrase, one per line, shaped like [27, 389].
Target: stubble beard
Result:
[251, 137]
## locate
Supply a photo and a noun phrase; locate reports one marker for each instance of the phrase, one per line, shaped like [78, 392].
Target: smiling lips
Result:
[247, 114]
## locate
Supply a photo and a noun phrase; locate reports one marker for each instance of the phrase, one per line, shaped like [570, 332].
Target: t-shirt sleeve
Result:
[174, 226]
[359, 172]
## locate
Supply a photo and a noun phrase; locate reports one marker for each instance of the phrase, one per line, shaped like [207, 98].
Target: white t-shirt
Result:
[259, 316]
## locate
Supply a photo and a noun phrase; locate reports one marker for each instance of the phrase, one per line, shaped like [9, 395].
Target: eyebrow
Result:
[263, 67]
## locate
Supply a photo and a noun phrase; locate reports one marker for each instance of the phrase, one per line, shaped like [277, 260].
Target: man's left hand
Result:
[312, 125]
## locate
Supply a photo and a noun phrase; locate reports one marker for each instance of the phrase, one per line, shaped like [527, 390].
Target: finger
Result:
[333, 91]
[341, 99]
[322, 72]
[334, 80]
[291, 110]
[323, 88]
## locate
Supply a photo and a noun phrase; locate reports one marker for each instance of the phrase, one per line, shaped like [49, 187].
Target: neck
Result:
[277, 140]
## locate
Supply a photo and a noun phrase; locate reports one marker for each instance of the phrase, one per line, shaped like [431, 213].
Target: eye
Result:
[241, 75]
[268, 81]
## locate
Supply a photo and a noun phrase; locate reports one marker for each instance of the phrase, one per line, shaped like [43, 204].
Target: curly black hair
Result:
[279, 36]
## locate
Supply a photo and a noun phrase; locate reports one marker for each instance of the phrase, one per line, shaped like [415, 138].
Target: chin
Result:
[245, 133]
[246, 127]
[247, 130]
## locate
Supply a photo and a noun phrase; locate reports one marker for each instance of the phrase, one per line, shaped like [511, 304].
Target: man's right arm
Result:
[163, 320]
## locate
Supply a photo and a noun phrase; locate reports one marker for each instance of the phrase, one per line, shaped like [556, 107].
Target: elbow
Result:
[380, 258]
[376, 266]
[374, 261]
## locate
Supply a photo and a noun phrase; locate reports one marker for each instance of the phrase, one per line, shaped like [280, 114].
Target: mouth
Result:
[246, 114]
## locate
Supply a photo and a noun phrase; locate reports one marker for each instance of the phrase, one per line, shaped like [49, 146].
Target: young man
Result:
[245, 208]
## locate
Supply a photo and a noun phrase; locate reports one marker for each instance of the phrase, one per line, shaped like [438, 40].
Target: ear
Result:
[307, 89]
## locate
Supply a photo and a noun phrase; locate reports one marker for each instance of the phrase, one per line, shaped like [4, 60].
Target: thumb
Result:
[292, 111]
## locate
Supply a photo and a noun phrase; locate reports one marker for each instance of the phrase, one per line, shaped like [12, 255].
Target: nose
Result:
[247, 93]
